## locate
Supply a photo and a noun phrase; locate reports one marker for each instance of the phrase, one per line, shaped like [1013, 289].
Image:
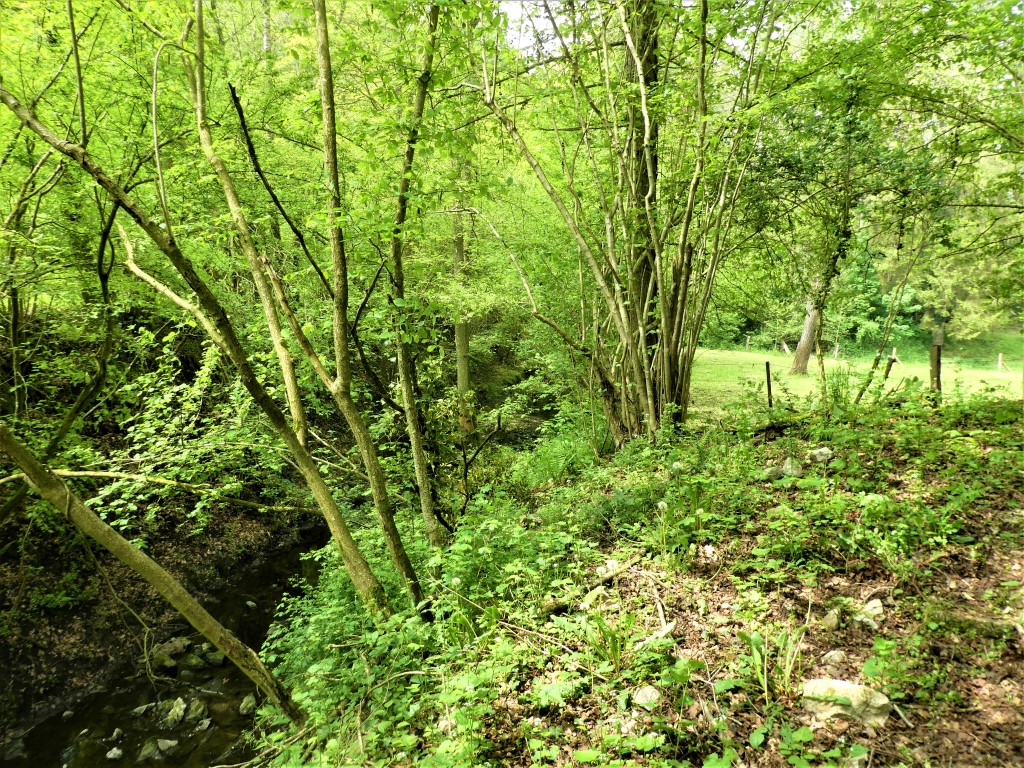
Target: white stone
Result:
[870, 614]
[874, 608]
[830, 620]
[820, 455]
[647, 697]
[166, 745]
[115, 754]
[792, 468]
[834, 658]
[825, 698]
[176, 713]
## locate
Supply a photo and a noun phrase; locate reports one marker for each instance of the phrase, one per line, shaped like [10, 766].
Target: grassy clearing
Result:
[728, 376]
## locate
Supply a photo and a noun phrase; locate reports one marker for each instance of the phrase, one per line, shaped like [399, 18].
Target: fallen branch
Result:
[554, 607]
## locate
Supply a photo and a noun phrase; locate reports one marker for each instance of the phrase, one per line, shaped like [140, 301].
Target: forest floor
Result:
[897, 564]
[667, 607]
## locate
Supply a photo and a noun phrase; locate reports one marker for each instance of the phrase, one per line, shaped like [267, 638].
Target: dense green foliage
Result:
[484, 355]
[495, 679]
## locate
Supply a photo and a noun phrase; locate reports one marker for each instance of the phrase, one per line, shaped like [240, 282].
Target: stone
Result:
[830, 620]
[647, 697]
[161, 660]
[16, 750]
[820, 455]
[173, 647]
[150, 750]
[116, 736]
[834, 658]
[140, 711]
[773, 473]
[792, 468]
[196, 710]
[248, 705]
[826, 698]
[203, 725]
[68, 713]
[166, 745]
[214, 658]
[115, 754]
[193, 661]
[175, 713]
[870, 614]
[873, 608]
[250, 605]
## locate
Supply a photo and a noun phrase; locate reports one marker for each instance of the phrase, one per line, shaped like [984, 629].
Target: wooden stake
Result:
[768, 376]
[747, 345]
[936, 369]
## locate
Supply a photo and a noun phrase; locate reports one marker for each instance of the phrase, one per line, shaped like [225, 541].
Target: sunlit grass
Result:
[724, 376]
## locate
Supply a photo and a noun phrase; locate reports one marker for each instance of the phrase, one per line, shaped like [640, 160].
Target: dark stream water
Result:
[110, 729]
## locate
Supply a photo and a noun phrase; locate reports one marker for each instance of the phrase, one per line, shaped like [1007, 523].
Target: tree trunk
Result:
[215, 322]
[807, 337]
[257, 265]
[406, 374]
[56, 492]
[341, 389]
[467, 416]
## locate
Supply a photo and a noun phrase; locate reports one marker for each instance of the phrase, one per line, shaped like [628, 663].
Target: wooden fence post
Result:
[768, 377]
[936, 370]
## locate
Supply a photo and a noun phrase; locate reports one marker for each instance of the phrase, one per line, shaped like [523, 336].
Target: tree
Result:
[652, 169]
[53, 489]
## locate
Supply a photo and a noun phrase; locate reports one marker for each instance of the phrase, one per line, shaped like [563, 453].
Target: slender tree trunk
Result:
[56, 492]
[214, 320]
[467, 419]
[342, 386]
[406, 375]
[255, 261]
[807, 337]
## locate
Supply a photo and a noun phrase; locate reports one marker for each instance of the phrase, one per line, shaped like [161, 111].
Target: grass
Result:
[726, 376]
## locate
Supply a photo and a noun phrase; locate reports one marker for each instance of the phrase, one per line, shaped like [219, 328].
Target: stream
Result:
[195, 713]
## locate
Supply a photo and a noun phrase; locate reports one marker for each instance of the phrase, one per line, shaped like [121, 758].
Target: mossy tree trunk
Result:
[55, 491]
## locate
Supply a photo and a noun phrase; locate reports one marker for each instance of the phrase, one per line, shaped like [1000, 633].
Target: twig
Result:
[552, 607]
[270, 190]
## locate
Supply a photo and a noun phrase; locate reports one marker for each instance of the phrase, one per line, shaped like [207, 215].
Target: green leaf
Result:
[802, 735]
[586, 755]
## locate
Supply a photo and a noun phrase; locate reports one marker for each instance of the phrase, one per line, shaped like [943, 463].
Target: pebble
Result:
[647, 697]
[834, 658]
[248, 705]
[115, 754]
[830, 620]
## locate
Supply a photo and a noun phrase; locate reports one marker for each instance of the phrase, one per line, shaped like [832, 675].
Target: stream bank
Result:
[189, 708]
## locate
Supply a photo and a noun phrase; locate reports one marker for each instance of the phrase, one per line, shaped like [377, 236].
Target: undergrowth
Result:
[545, 651]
